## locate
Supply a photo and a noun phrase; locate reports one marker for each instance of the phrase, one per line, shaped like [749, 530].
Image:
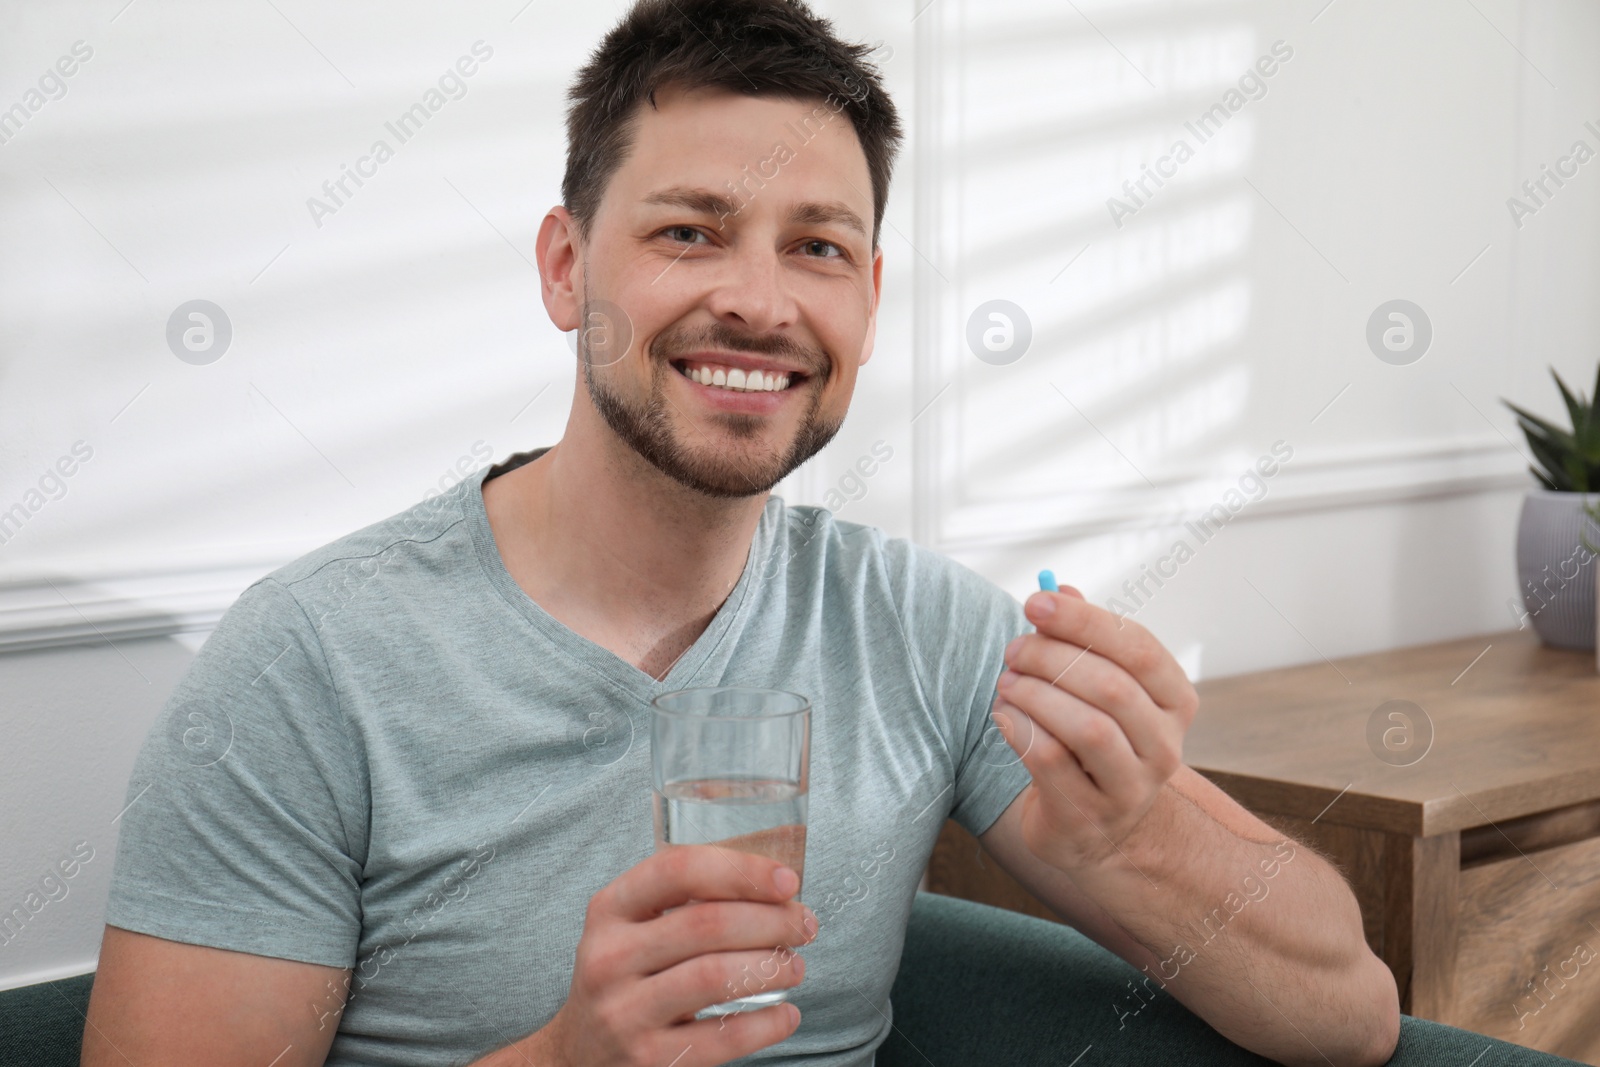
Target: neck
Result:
[615, 549]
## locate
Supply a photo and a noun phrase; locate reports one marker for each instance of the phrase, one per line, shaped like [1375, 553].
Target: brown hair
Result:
[766, 48]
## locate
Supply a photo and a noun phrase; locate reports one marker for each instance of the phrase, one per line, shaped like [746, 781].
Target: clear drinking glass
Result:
[732, 766]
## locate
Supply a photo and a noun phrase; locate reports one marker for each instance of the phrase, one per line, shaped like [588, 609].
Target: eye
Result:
[825, 244]
[678, 232]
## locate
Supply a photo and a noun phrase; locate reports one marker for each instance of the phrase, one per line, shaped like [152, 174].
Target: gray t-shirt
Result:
[388, 757]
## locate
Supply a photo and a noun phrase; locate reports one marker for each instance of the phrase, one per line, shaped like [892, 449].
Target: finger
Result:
[717, 926]
[1092, 736]
[1123, 641]
[706, 1042]
[1014, 727]
[1062, 783]
[1047, 759]
[1100, 683]
[681, 873]
[717, 977]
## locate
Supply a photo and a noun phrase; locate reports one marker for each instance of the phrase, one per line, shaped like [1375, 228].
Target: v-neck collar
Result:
[588, 654]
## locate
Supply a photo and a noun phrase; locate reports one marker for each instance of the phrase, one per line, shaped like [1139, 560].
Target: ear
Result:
[560, 268]
[872, 309]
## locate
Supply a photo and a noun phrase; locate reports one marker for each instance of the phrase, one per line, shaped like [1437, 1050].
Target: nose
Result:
[753, 292]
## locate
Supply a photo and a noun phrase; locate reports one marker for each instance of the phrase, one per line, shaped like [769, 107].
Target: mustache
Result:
[671, 345]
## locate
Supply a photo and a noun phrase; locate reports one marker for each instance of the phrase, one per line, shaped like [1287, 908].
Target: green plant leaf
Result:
[1546, 449]
[1550, 459]
[1577, 410]
[1546, 428]
[1593, 511]
[1571, 459]
[1577, 473]
[1585, 423]
[1550, 446]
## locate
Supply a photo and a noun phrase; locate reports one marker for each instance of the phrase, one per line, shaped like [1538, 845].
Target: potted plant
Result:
[1556, 565]
[1593, 511]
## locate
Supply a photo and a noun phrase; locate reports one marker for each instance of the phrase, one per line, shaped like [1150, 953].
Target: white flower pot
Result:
[1556, 572]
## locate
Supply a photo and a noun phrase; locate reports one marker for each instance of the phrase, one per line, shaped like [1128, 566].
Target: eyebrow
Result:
[702, 201]
[811, 213]
[815, 214]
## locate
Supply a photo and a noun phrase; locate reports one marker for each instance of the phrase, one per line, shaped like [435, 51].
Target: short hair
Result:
[763, 48]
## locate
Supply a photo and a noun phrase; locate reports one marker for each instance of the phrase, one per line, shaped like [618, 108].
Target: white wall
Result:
[1229, 311]
[372, 352]
[74, 717]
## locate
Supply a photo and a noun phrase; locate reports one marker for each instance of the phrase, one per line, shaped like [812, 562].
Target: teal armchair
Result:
[982, 985]
[978, 985]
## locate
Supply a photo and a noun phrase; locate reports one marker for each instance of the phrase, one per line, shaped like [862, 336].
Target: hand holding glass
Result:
[731, 767]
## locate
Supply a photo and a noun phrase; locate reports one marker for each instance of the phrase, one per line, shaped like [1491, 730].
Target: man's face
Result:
[773, 272]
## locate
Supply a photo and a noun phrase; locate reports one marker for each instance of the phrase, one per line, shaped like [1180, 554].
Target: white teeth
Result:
[754, 381]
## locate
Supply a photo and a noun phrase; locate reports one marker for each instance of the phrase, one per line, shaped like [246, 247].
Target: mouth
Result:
[736, 380]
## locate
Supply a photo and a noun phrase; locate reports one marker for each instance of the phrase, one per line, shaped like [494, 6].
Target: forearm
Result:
[1263, 939]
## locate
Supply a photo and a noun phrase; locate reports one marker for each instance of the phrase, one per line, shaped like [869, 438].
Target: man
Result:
[397, 812]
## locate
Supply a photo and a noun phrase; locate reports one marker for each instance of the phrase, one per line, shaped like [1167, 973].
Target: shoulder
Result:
[325, 579]
[915, 577]
[422, 522]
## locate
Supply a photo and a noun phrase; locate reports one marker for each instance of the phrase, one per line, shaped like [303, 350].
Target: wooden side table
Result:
[1475, 855]
[1457, 785]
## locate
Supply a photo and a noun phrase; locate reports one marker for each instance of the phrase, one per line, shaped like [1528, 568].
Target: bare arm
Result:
[1256, 934]
[160, 1001]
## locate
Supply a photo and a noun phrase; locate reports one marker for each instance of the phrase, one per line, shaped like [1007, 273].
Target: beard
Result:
[701, 462]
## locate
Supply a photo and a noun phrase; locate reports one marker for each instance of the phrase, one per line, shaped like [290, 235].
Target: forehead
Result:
[802, 149]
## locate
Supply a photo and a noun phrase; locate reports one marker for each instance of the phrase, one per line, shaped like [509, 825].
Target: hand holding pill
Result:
[1097, 709]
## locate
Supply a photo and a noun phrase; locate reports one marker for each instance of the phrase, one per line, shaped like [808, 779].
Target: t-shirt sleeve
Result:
[957, 625]
[245, 824]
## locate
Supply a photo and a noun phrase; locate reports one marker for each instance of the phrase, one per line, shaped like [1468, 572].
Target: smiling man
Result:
[398, 811]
